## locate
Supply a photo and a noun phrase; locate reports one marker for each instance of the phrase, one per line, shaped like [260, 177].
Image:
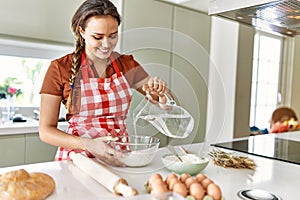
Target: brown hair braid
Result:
[88, 9]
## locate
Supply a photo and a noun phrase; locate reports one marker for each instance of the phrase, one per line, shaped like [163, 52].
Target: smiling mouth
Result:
[104, 51]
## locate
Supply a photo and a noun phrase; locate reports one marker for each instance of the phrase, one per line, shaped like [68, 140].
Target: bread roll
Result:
[21, 185]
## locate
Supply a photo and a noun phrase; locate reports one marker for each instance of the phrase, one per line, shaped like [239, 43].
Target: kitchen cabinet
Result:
[36, 150]
[49, 20]
[26, 148]
[146, 35]
[190, 66]
[172, 43]
[295, 95]
[12, 150]
[270, 175]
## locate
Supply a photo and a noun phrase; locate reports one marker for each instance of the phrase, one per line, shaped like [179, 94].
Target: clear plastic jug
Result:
[169, 119]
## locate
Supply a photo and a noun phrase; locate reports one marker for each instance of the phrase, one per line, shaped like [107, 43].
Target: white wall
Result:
[221, 99]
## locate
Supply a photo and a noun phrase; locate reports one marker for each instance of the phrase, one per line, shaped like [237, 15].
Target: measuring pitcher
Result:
[169, 118]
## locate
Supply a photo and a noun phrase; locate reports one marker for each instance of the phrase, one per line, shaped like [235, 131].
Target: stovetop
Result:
[269, 147]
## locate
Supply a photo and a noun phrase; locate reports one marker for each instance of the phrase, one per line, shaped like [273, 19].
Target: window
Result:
[265, 78]
[28, 74]
[27, 62]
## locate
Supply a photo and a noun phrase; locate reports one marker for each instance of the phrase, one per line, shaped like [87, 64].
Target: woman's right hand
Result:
[155, 86]
[102, 151]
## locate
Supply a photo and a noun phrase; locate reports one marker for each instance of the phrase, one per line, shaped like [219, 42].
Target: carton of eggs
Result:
[199, 187]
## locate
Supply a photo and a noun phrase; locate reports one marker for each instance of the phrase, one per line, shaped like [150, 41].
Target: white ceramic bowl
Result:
[192, 163]
[138, 150]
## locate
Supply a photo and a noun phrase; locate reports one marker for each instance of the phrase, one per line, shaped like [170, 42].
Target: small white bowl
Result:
[191, 163]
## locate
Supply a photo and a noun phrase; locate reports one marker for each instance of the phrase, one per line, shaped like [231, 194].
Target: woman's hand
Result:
[102, 151]
[157, 89]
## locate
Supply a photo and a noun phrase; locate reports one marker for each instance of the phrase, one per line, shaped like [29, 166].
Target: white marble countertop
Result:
[277, 177]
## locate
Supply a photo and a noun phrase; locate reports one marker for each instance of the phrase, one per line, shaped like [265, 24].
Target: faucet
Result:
[36, 114]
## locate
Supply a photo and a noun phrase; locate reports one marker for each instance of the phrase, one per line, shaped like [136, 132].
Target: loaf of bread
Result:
[21, 185]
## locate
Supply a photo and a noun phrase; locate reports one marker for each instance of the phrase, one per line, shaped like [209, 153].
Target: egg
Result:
[156, 182]
[200, 177]
[171, 176]
[197, 191]
[188, 182]
[214, 191]
[180, 189]
[184, 176]
[159, 188]
[206, 182]
[154, 178]
[172, 182]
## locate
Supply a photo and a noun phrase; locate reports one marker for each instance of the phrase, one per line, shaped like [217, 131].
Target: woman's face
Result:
[101, 36]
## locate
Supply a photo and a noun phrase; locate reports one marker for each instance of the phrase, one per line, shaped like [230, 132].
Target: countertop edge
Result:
[25, 127]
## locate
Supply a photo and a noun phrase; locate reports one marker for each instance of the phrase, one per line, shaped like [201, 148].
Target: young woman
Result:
[94, 83]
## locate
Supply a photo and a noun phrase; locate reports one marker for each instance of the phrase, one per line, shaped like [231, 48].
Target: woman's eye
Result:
[113, 36]
[97, 38]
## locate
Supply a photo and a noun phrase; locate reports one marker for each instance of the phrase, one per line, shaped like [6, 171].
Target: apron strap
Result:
[114, 63]
[87, 72]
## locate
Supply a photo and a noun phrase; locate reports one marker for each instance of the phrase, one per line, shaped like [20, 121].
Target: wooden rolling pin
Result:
[102, 175]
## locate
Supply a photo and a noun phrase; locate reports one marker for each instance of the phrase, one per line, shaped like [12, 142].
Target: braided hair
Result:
[88, 9]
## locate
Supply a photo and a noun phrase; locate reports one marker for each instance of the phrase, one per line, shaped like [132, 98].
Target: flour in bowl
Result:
[139, 158]
[187, 159]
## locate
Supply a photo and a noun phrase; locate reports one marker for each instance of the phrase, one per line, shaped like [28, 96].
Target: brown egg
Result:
[206, 182]
[188, 182]
[154, 178]
[172, 182]
[214, 191]
[156, 182]
[184, 176]
[180, 189]
[200, 177]
[159, 188]
[171, 176]
[197, 191]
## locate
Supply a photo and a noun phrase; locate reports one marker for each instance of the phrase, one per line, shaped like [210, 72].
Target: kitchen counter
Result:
[283, 147]
[30, 126]
[280, 178]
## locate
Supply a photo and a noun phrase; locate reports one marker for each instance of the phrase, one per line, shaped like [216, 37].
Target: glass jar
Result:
[4, 109]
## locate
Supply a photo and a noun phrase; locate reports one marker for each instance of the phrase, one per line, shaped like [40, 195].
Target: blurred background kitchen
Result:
[227, 74]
